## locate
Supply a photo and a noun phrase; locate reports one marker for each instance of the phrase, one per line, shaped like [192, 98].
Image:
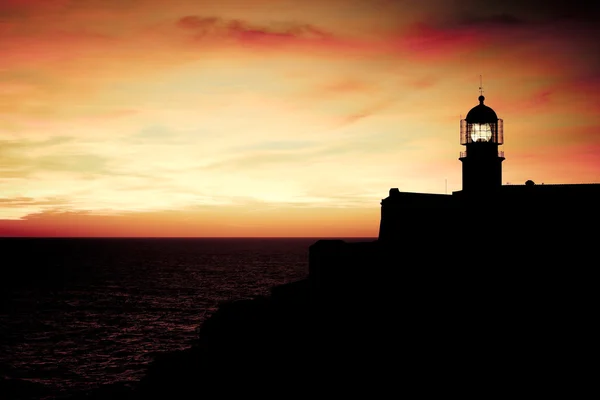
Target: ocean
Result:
[76, 314]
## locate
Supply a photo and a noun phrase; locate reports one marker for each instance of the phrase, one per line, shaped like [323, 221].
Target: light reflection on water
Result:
[78, 313]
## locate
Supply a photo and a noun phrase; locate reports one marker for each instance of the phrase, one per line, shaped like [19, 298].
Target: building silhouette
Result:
[483, 201]
[485, 223]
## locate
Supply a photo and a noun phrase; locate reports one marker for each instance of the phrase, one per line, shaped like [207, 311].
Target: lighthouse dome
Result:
[481, 114]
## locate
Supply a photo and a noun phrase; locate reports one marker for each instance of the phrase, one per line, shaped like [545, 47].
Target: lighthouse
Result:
[481, 132]
[425, 217]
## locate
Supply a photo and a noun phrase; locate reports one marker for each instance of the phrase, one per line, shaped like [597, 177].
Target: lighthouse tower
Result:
[481, 132]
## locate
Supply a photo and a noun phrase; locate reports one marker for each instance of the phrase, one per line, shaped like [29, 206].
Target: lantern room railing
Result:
[463, 154]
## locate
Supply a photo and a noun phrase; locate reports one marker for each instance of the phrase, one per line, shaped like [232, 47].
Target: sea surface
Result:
[76, 314]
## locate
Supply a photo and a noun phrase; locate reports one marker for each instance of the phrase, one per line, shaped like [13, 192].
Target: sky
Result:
[277, 117]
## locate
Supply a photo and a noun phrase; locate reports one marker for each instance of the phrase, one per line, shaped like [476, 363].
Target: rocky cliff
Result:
[369, 321]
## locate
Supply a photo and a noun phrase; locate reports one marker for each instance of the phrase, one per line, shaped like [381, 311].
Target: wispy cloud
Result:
[244, 31]
[365, 112]
[29, 201]
[278, 145]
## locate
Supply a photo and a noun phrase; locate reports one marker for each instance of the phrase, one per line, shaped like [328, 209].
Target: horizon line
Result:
[188, 237]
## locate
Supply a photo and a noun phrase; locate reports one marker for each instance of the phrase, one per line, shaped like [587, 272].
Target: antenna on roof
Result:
[480, 86]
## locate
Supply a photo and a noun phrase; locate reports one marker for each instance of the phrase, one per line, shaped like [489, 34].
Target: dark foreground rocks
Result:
[506, 329]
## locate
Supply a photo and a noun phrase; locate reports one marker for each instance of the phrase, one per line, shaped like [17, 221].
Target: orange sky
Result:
[277, 118]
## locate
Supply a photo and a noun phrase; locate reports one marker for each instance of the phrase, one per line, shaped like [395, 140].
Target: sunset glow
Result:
[276, 118]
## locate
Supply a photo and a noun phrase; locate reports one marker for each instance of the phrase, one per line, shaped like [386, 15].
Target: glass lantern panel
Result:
[481, 132]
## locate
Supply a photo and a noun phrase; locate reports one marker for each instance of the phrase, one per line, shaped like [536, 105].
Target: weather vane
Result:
[480, 86]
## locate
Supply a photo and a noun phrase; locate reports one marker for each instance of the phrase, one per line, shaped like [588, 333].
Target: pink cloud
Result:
[431, 42]
[299, 36]
[503, 35]
[247, 33]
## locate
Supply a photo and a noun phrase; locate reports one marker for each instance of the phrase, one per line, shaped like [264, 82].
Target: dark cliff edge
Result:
[371, 320]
